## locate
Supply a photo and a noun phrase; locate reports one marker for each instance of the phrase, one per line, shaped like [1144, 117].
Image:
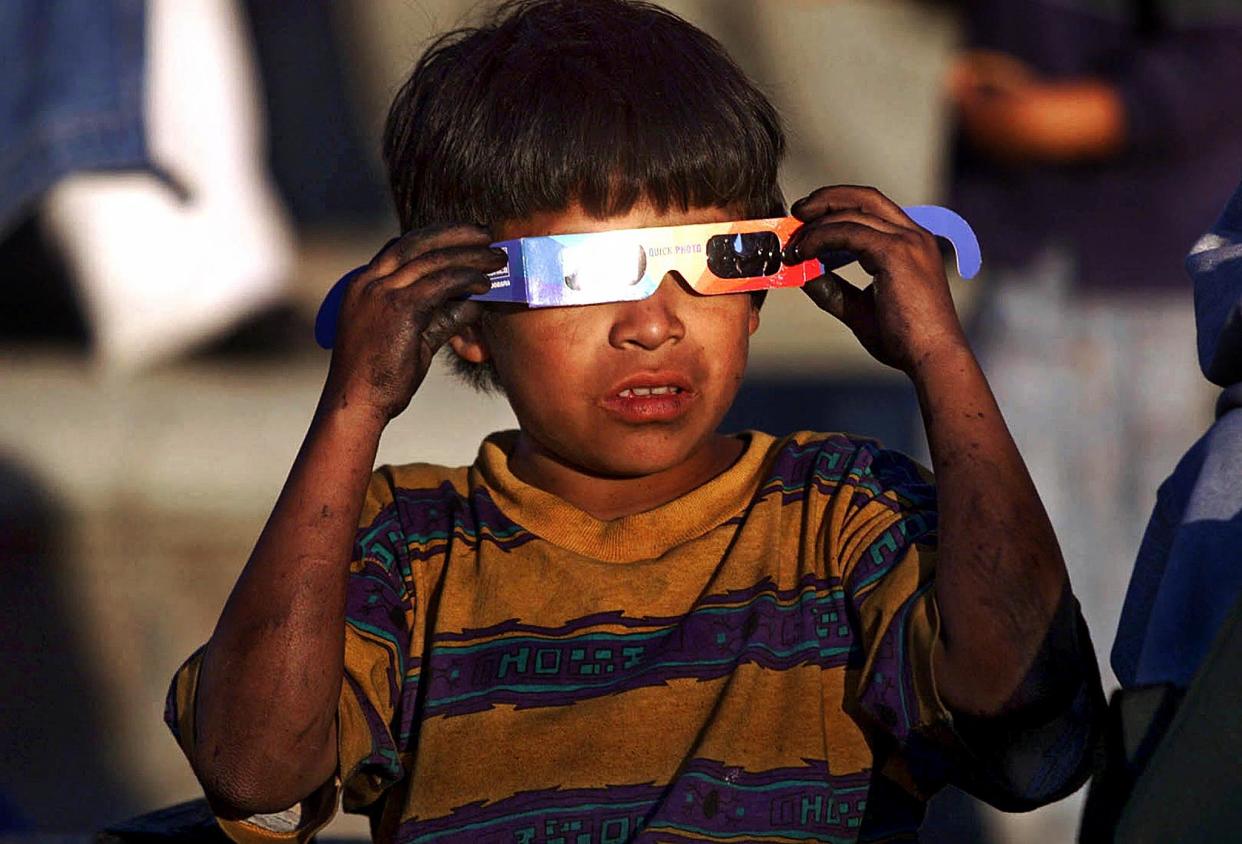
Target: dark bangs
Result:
[603, 102]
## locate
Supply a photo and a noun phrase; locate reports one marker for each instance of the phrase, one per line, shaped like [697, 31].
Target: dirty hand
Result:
[400, 309]
[905, 317]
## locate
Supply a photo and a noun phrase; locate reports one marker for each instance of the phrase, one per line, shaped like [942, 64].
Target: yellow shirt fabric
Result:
[751, 661]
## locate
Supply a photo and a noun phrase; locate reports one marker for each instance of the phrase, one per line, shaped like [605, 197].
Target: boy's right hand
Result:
[401, 309]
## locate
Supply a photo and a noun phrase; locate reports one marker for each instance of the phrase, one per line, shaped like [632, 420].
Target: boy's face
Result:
[624, 388]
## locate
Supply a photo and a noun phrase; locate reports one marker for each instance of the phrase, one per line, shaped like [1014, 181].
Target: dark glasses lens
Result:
[744, 255]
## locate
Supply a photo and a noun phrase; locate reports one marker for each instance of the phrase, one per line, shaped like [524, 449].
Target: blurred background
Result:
[182, 180]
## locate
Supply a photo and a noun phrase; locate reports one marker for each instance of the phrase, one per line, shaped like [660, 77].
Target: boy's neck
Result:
[607, 498]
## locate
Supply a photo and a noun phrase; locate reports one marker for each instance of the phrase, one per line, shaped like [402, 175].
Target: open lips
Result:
[631, 392]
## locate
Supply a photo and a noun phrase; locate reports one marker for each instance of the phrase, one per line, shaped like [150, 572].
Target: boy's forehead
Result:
[574, 219]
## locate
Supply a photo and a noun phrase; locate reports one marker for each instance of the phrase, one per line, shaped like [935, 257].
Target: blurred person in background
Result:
[131, 132]
[1187, 576]
[1093, 139]
[1186, 581]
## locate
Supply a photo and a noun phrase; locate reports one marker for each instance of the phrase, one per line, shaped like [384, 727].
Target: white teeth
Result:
[631, 392]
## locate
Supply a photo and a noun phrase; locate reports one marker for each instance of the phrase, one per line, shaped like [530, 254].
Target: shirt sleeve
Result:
[380, 683]
[375, 699]
[887, 545]
[296, 824]
[1034, 755]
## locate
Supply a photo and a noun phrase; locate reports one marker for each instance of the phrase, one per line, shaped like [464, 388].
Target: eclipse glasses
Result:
[628, 265]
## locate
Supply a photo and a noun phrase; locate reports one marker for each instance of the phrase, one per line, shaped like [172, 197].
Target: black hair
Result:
[601, 102]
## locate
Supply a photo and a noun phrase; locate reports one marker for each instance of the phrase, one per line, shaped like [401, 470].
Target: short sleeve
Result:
[1033, 756]
[375, 698]
[297, 824]
[888, 547]
[885, 548]
[378, 691]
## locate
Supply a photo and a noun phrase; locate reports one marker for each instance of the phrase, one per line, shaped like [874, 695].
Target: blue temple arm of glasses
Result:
[330, 310]
[940, 221]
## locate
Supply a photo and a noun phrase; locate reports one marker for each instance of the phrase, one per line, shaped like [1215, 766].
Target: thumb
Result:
[843, 300]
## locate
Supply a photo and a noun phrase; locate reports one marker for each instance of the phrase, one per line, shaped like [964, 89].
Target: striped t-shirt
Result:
[749, 662]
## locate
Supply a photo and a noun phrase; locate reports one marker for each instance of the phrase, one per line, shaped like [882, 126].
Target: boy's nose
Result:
[650, 323]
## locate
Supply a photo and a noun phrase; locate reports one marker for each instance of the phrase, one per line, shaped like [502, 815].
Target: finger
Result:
[450, 320]
[831, 293]
[794, 251]
[437, 288]
[481, 258]
[871, 246]
[844, 197]
[420, 241]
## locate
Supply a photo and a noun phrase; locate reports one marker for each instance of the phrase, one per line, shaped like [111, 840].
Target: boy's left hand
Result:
[905, 317]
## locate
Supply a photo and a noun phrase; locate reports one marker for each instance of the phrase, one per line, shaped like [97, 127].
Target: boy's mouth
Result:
[631, 392]
[649, 397]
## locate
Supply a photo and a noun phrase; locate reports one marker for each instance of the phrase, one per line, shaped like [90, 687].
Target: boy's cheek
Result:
[554, 351]
[552, 333]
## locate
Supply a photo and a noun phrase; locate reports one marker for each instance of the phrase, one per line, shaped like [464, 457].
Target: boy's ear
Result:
[469, 344]
[754, 316]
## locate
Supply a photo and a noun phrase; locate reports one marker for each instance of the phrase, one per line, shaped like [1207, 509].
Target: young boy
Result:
[619, 624]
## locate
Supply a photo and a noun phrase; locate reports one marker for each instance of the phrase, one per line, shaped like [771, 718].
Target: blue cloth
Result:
[71, 95]
[1188, 574]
